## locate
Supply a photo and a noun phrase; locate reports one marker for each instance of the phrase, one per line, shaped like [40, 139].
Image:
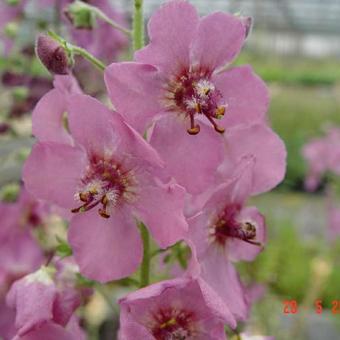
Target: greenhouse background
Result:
[295, 47]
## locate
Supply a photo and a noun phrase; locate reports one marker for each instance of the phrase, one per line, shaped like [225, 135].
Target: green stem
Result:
[112, 23]
[81, 51]
[145, 267]
[138, 26]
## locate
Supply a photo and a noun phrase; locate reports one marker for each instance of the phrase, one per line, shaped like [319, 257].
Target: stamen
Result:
[220, 111]
[194, 129]
[85, 196]
[217, 128]
[102, 211]
[85, 207]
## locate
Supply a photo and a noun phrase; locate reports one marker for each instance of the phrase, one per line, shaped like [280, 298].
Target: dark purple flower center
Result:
[227, 225]
[193, 93]
[106, 183]
[173, 324]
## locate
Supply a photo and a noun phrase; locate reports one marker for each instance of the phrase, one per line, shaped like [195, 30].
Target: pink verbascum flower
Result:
[43, 311]
[177, 79]
[228, 231]
[19, 252]
[322, 154]
[107, 176]
[175, 309]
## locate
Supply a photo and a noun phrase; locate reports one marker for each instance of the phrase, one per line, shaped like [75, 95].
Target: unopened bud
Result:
[248, 25]
[80, 15]
[52, 55]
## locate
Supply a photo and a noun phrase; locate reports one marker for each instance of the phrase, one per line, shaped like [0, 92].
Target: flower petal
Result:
[171, 32]
[49, 331]
[33, 302]
[268, 150]
[89, 122]
[218, 40]
[100, 130]
[135, 91]
[52, 172]
[47, 122]
[105, 249]
[222, 277]
[161, 209]
[191, 160]
[245, 94]
[239, 250]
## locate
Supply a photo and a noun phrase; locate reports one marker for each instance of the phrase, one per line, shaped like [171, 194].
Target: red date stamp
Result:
[291, 307]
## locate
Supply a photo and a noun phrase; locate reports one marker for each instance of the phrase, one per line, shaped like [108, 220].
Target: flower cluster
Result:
[186, 145]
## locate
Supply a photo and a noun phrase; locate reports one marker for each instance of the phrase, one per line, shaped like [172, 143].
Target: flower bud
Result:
[80, 15]
[248, 24]
[52, 55]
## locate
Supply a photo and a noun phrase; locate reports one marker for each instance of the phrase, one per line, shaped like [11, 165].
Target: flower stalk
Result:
[145, 267]
[138, 26]
[138, 42]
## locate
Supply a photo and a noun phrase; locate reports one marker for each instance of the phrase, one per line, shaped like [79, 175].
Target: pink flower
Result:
[19, 252]
[322, 154]
[42, 308]
[178, 72]
[7, 329]
[174, 309]
[177, 79]
[227, 231]
[107, 176]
